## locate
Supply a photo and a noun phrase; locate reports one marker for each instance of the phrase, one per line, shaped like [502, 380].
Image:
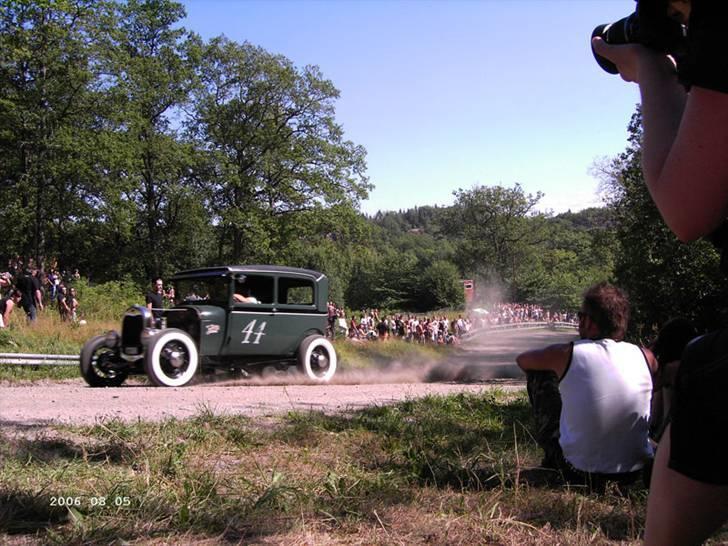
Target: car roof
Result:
[252, 269]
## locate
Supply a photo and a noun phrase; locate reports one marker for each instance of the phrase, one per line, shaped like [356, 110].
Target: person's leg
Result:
[680, 510]
[545, 398]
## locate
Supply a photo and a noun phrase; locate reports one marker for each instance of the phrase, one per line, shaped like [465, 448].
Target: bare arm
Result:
[553, 358]
[684, 150]
[8, 309]
[651, 361]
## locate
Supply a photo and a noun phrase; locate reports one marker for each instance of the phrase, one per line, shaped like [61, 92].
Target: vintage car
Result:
[243, 319]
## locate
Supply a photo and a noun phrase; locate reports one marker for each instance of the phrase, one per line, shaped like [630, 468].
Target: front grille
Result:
[131, 332]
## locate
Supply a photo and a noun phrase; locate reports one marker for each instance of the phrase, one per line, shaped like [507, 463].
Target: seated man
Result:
[244, 296]
[591, 397]
[668, 347]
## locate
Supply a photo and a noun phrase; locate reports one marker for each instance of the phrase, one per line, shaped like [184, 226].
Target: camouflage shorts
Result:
[545, 398]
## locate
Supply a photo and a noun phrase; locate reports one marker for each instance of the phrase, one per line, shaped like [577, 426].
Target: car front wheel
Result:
[171, 359]
[317, 358]
[100, 364]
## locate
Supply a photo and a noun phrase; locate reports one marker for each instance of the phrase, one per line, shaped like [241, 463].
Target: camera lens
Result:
[624, 31]
[604, 63]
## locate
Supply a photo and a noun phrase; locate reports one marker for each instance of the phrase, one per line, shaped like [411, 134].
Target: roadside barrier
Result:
[21, 359]
[530, 326]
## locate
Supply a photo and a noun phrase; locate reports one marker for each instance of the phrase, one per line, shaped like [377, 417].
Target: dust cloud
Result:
[486, 355]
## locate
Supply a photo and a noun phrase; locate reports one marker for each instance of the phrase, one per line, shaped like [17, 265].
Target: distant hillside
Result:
[419, 220]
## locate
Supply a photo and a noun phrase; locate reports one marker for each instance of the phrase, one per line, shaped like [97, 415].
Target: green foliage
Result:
[494, 234]
[108, 301]
[275, 149]
[441, 287]
[664, 277]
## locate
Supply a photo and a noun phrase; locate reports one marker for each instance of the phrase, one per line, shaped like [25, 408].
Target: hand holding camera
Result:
[658, 26]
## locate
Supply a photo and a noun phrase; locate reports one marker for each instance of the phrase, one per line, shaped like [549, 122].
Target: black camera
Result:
[650, 26]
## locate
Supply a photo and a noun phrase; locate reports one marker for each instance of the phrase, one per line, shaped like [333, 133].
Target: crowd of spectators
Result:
[33, 288]
[371, 324]
[514, 313]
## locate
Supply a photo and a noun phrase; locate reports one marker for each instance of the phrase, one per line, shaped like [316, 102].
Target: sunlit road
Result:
[476, 365]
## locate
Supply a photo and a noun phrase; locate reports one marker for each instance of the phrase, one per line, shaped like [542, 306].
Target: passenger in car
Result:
[245, 296]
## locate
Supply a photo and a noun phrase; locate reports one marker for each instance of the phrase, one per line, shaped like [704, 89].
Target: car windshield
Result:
[202, 290]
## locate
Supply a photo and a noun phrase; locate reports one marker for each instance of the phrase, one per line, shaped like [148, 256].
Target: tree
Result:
[275, 149]
[441, 287]
[664, 277]
[46, 76]
[150, 172]
[494, 234]
[577, 252]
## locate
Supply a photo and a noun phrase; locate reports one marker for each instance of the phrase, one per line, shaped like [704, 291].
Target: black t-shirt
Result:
[27, 285]
[155, 298]
[706, 63]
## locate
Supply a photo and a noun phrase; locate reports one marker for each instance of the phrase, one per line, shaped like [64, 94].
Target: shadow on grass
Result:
[21, 513]
[465, 441]
[49, 450]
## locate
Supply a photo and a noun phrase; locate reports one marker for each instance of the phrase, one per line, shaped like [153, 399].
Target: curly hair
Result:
[608, 306]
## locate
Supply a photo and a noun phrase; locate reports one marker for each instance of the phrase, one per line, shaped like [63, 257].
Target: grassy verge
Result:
[438, 470]
[48, 335]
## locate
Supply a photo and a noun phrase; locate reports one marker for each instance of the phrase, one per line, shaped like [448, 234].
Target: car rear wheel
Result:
[317, 358]
[172, 359]
[99, 364]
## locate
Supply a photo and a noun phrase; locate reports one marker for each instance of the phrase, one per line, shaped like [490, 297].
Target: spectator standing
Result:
[383, 329]
[354, 331]
[31, 300]
[6, 283]
[63, 310]
[53, 280]
[331, 318]
[7, 304]
[72, 304]
[169, 296]
[155, 300]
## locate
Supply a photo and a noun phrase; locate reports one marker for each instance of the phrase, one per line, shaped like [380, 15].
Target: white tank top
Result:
[606, 393]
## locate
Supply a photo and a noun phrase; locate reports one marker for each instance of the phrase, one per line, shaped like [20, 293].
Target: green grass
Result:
[437, 470]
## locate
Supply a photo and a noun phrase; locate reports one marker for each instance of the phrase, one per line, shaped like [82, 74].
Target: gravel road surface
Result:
[478, 364]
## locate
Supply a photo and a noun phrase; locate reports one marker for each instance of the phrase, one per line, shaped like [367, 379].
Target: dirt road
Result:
[480, 363]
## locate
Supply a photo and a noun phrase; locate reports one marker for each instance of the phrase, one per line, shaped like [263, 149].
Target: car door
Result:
[251, 321]
[296, 312]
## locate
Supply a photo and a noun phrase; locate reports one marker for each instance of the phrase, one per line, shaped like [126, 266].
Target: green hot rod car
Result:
[247, 318]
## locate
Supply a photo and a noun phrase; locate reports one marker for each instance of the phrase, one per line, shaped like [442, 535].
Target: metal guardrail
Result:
[22, 359]
[530, 326]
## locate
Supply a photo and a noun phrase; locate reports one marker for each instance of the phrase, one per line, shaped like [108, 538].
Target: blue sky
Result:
[449, 94]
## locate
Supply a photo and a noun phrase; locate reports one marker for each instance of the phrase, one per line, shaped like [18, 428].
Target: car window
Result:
[213, 290]
[295, 291]
[252, 289]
